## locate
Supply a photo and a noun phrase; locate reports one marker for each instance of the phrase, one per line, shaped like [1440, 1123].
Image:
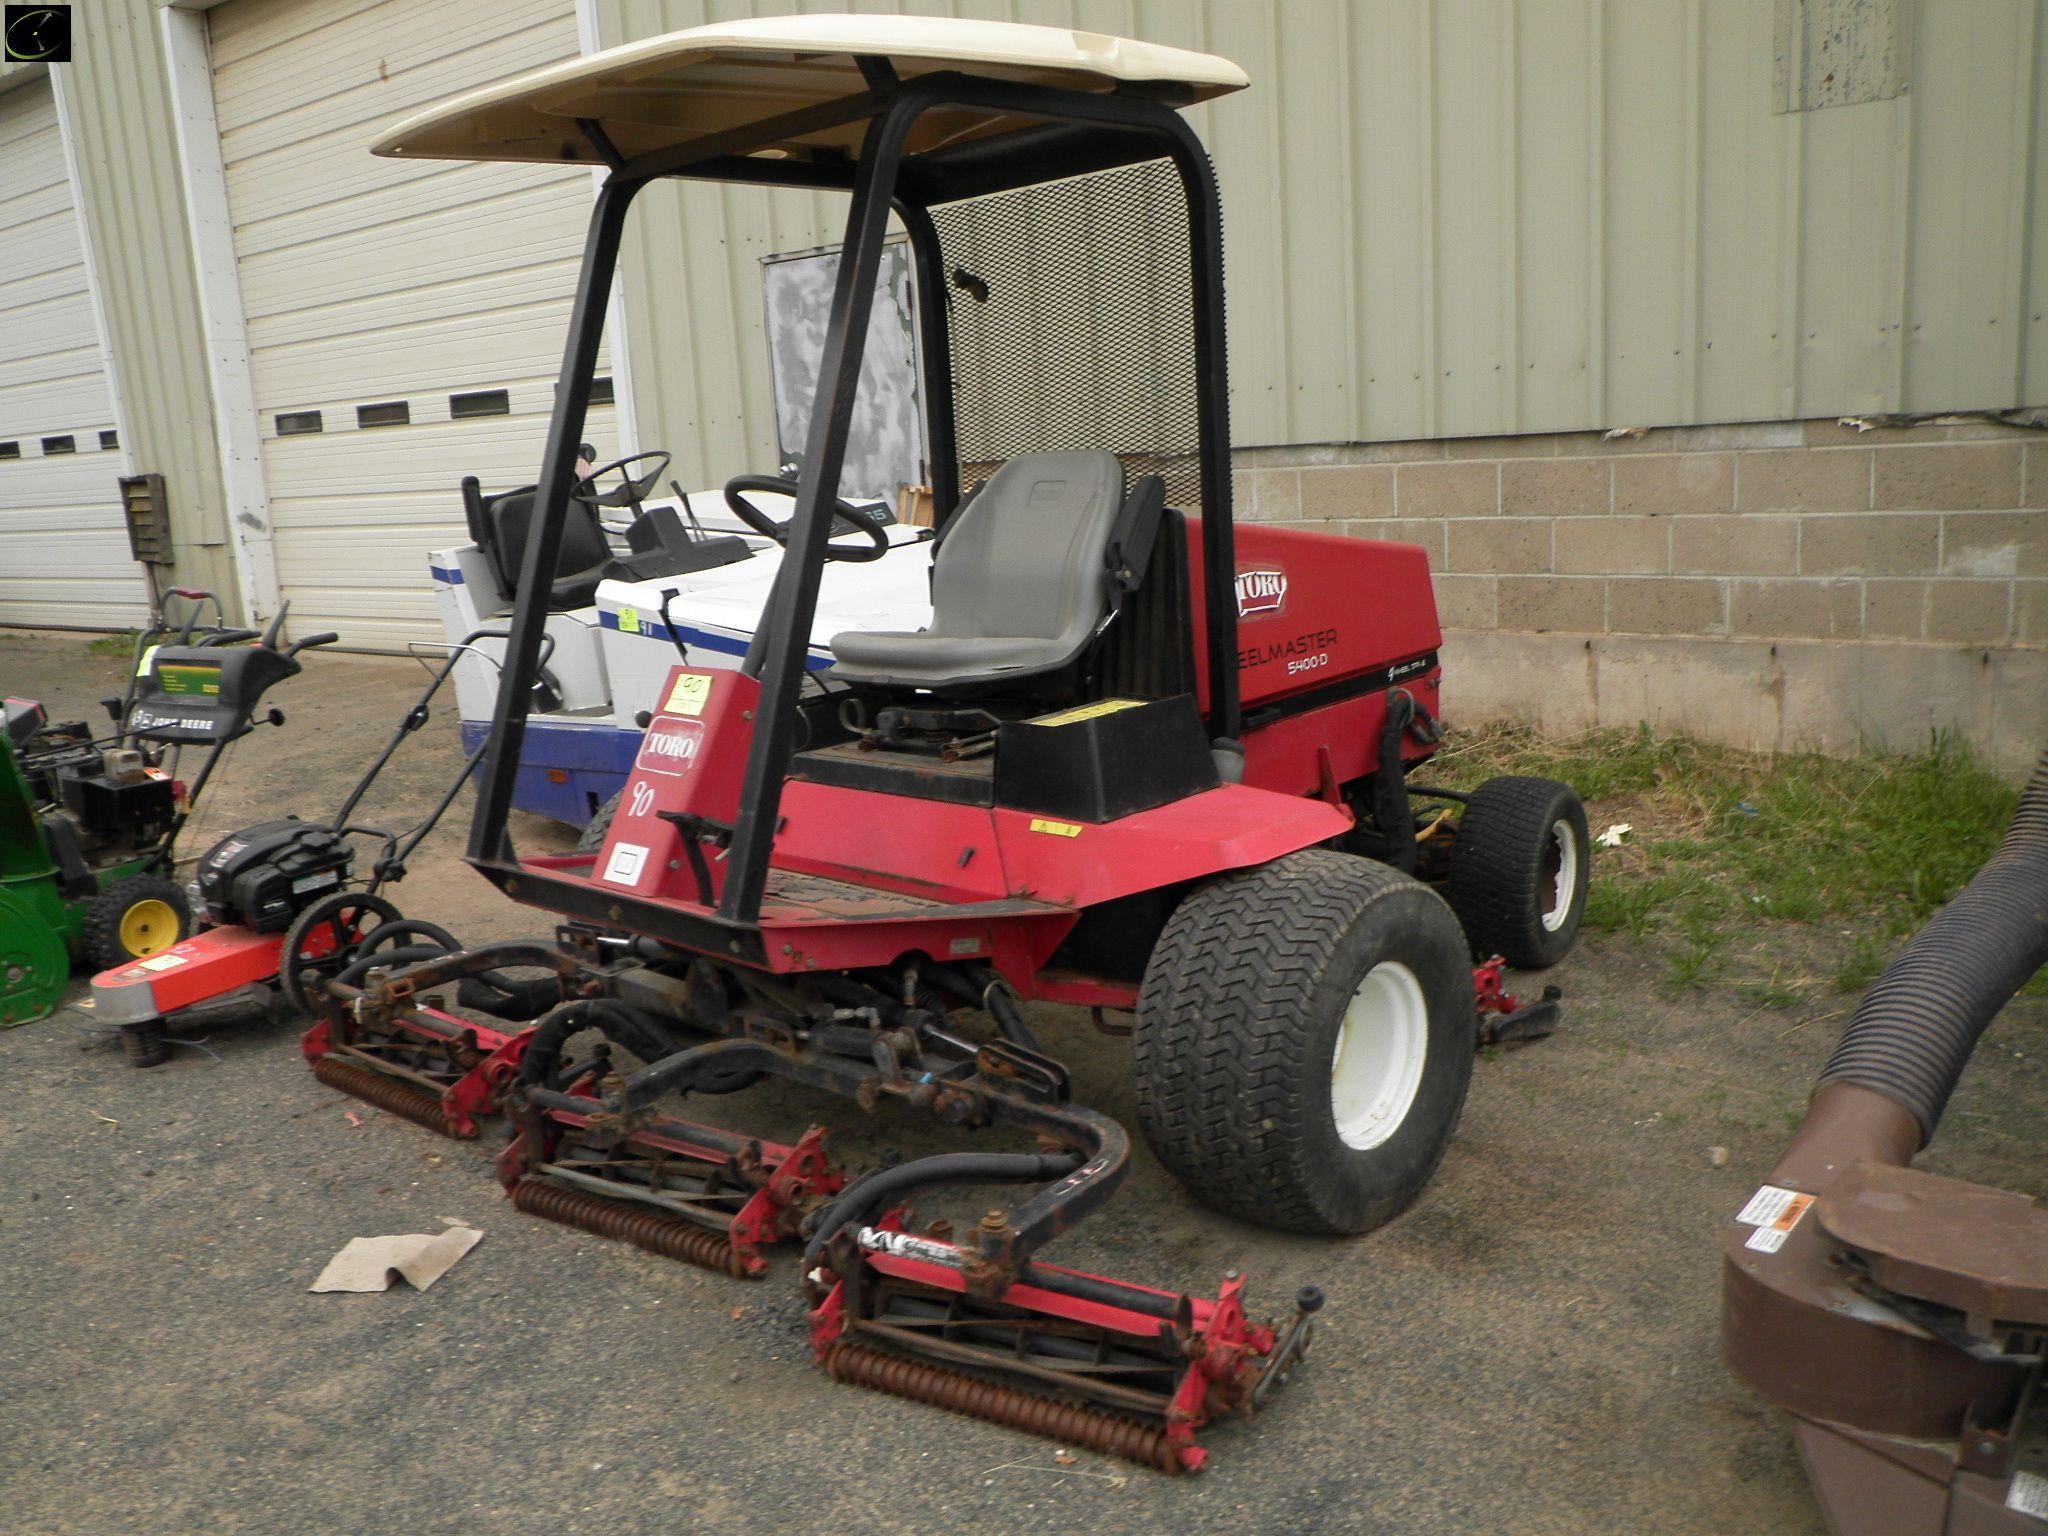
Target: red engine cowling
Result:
[1326, 626]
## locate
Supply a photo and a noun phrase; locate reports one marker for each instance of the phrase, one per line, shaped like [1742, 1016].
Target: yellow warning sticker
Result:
[1055, 828]
[629, 621]
[690, 694]
[142, 668]
[1082, 712]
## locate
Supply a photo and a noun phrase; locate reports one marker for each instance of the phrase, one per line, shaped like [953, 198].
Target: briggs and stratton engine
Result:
[262, 877]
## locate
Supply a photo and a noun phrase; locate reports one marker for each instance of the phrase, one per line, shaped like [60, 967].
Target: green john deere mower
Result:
[88, 824]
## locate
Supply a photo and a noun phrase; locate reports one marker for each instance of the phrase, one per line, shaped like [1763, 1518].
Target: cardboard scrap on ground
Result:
[375, 1263]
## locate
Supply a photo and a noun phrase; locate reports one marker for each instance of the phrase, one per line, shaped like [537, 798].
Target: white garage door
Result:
[406, 319]
[64, 556]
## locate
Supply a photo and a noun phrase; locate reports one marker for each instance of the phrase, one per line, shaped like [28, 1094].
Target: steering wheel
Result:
[768, 527]
[629, 494]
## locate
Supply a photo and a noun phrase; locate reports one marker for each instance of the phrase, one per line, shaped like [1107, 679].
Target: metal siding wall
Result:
[1964, 286]
[1461, 217]
[133, 202]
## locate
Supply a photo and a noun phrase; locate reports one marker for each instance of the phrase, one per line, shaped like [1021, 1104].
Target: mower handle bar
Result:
[398, 847]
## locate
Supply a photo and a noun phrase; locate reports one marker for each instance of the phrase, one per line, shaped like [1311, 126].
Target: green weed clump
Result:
[1722, 837]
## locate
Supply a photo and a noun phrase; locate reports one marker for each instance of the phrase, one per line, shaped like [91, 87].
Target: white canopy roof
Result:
[667, 91]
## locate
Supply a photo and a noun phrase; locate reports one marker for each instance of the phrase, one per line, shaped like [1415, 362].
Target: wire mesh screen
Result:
[1071, 314]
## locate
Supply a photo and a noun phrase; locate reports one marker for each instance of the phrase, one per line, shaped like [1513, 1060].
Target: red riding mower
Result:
[1143, 761]
[282, 904]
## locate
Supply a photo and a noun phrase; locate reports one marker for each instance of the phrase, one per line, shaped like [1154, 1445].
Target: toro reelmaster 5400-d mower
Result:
[1141, 761]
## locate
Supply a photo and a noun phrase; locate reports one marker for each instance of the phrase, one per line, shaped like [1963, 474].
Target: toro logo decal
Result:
[670, 746]
[1260, 590]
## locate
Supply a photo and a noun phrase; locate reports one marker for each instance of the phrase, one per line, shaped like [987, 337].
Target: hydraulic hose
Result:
[886, 1185]
[1914, 1031]
[389, 959]
[987, 990]
[493, 992]
[618, 1022]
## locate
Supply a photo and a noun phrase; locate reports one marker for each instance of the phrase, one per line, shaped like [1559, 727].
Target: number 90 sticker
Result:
[690, 694]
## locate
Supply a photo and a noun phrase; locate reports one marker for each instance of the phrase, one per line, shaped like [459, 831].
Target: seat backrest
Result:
[1026, 557]
[510, 517]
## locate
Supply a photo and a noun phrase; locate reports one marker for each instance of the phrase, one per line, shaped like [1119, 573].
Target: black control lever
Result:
[276, 625]
[695, 830]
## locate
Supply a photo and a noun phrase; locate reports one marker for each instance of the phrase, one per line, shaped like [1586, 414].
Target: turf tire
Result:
[1504, 869]
[591, 840]
[101, 931]
[1237, 1028]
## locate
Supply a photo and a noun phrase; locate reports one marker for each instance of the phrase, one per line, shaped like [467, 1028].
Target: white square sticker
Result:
[625, 864]
[2028, 1494]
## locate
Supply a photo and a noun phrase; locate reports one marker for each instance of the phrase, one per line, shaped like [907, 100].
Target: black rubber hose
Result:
[508, 997]
[493, 992]
[407, 928]
[986, 990]
[885, 1185]
[619, 1023]
[389, 959]
[1915, 1029]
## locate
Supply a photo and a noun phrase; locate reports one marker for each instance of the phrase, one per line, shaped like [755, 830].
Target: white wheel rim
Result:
[1563, 859]
[1376, 1068]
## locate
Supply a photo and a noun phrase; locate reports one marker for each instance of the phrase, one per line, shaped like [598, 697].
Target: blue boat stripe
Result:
[725, 645]
[445, 575]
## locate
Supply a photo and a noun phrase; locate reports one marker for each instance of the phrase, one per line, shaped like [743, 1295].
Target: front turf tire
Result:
[1242, 1091]
[591, 838]
[1520, 867]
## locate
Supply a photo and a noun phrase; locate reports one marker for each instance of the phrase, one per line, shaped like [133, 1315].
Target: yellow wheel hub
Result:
[148, 926]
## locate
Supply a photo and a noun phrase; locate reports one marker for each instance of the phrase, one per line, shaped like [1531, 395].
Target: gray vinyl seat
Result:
[1020, 582]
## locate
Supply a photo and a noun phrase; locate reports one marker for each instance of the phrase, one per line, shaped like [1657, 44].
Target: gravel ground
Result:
[1530, 1349]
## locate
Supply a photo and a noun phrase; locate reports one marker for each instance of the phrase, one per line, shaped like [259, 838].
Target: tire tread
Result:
[1493, 886]
[1222, 1026]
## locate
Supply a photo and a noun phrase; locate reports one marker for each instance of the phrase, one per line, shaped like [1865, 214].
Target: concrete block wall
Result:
[1778, 585]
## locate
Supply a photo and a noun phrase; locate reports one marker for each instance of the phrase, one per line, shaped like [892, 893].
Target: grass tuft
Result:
[1723, 837]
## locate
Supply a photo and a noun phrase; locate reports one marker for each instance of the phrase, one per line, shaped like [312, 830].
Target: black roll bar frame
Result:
[1078, 132]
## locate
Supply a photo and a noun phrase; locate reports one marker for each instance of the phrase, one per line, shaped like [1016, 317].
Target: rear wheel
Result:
[592, 837]
[1519, 870]
[133, 919]
[1304, 1042]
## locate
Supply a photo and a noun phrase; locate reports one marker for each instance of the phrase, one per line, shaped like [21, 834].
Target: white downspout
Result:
[237, 433]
